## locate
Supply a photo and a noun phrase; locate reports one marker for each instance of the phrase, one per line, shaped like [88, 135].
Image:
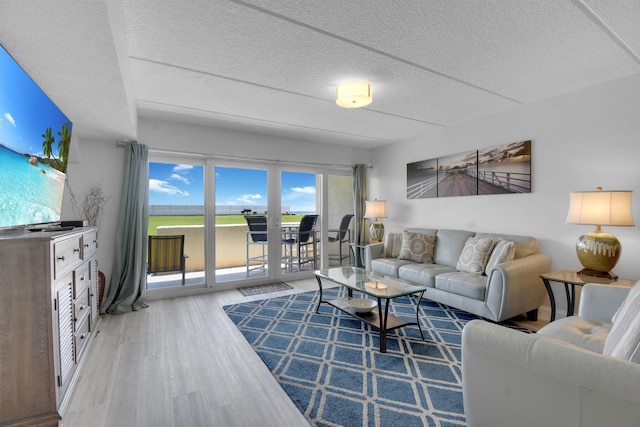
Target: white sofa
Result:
[506, 290]
[557, 377]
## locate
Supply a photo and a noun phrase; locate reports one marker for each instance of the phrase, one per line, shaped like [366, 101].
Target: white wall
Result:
[187, 138]
[96, 162]
[581, 140]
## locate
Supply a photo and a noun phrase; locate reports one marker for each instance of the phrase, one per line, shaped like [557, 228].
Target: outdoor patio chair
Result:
[301, 244]
[256, 235]
[166, 254]
[343, 234]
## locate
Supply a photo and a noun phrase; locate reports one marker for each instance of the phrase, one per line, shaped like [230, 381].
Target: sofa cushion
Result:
[525, 245]
[503, 251]
[449, 244]
[388, 266]
[623, 341]
[585, 333]
[417, 247]
[465, 284]
[423, 274]
[475, 255]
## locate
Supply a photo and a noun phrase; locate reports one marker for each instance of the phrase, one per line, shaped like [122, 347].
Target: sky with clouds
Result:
[25, 110]
[176, 184]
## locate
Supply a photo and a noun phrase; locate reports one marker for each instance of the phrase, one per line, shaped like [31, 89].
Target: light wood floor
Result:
[182, 362]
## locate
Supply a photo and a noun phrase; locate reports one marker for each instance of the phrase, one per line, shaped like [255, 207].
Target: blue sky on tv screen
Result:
[25, 110]
[176, 184]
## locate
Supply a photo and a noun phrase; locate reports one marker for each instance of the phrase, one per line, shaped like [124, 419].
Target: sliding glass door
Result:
[301, 223]
[176, 207]
[257, 217]
[243, 221]
[242, 218]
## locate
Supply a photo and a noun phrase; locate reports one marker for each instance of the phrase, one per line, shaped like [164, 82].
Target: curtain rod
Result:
[252, 159]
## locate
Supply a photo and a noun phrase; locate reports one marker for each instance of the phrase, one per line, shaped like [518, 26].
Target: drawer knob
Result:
[82, 336]
[61, 258]
[86, 245]
[76, 250]
[82, 306]
[82, 277]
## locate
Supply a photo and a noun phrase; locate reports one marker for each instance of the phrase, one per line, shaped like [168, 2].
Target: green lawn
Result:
[155, 221]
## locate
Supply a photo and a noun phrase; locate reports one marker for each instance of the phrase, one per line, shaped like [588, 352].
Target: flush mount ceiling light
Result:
[354, 95]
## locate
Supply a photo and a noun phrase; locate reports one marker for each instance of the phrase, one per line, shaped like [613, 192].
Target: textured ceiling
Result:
[272, 66]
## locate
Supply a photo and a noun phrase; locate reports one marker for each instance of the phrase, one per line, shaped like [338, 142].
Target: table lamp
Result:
[376, 209]
[598, 251]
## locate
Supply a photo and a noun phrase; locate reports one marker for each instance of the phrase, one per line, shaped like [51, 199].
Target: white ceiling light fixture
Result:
[354, 95]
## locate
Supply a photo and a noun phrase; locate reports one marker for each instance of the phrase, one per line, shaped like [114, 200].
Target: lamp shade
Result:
[600, 208]
[375, 209]
[354, 95]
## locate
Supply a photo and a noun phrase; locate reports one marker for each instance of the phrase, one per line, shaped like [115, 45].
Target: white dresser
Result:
[48, 315]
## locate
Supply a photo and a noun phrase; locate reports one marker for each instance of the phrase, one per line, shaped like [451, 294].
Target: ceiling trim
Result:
[591, 14]
[372, 49]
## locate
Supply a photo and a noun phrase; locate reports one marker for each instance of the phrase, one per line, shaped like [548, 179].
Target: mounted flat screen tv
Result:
[34, 148]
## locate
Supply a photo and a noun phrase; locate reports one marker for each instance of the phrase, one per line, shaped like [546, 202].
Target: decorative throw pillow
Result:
[392, 245]
[623, 341]
[475, 255]
[417, 247]
[503, 251]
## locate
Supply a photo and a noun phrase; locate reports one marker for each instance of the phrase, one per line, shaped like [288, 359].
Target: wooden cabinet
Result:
[48, 313]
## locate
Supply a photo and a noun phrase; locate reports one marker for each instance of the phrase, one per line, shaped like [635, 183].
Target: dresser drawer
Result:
[81, 308]
[81, 279]
[89, 244]
[81, 338]
[66, 255]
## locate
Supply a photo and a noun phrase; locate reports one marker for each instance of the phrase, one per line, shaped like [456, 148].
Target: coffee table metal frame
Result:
[376, 285]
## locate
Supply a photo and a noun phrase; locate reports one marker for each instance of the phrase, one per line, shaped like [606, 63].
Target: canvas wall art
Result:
[501, 169]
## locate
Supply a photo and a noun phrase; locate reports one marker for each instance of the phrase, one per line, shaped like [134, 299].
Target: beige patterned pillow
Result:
[623, 341]
[503, 251]
[475, 255]
[417, 247]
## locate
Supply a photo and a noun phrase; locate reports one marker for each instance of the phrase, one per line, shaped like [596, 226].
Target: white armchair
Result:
[557, 377]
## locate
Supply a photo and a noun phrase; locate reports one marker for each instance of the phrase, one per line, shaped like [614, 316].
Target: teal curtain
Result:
[128, 285]
[359, 198]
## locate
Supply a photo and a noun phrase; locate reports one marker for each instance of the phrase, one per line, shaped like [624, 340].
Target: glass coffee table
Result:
[381, 287]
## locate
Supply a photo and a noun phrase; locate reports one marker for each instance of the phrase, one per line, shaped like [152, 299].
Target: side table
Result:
[571, 279]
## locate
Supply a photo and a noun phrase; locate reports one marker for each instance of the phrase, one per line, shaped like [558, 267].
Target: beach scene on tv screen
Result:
[34, 148]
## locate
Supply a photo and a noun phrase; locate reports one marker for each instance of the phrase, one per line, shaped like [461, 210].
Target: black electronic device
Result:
[75, 223]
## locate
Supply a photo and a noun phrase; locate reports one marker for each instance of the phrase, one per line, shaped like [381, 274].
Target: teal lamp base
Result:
[376, 231]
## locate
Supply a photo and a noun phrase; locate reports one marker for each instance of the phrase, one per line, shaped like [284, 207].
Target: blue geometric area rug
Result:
[331, 367]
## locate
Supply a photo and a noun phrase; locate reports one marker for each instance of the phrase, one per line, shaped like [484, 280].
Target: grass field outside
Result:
[157, 221]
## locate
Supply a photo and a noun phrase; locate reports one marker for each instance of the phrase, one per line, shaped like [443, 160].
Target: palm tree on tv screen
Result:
[48, 142]
[63, 146]
[59, 162]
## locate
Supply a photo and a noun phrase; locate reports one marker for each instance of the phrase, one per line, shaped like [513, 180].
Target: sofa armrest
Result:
[371, 252]
[600, 302]
[510, 378]
[515, 287]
